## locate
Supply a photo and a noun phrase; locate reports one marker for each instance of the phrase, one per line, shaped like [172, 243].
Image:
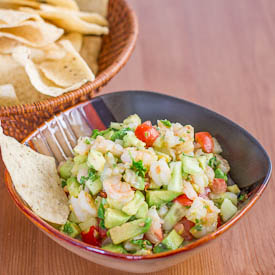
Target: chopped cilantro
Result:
[219, 174]
[68, 228]
[92, 175]
[138, 167]
[101, 209]
[213, 162]
[161, 247]
[146, 134]
[101, 224]
[87, 141]
[141, 243]
[181, 139]
[96, 132]
[198, 226]
[166, 122]
[63, 183]
[120, 134]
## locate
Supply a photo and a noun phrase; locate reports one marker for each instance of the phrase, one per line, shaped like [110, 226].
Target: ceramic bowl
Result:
[250, 164]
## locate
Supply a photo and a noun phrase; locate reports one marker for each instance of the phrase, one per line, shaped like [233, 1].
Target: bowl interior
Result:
[250, 164]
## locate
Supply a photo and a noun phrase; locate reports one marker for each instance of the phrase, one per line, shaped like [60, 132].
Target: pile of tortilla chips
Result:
[49, 48]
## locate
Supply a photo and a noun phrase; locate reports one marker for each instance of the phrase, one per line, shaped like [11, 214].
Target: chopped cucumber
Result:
[132, 121]
[73, 218]
[173, 240]
[176, 180]
[130, 140]
[114, 248]
[175, 213]
[94, 186]
[80, 159]
[114, 217]
[132, 207]
[73, 186]
[160, 197]
[231, 196]
[85, 226]
[228, 209]
[234, 189]
[142, 211]
[65, 169]
[202, 161]
[219, 174]
[71, 229]
[96, 160]
[129, 230]
[116, 125]
[190, 165]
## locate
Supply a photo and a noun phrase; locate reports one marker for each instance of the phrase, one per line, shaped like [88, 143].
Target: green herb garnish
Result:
[219, 174]
[96, 132]
[92, 175]
[198, 226]
[160, 248]
[120, 134]
[63, 183]
[181, 139]
[138, 167]
[101, 212]
[68, 228]
[213, 162]
[166, 122]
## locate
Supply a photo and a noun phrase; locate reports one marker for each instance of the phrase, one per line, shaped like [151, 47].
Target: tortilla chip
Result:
[27, 28]
[11, 4]
[72, 21]
[68, 4]
[36, 180]
[75, 38]
[56, 77]
[7, 95]
[13, 73]
[98, 6]
[90, 51]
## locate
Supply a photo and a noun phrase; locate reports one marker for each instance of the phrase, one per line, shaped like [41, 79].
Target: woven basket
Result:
[18, 121]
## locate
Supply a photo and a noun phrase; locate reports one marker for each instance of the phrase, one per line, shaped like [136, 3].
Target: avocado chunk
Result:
[114, 217]
[159, 197]
[132, 206]
[234, 189]
[94, 186]
[65, 169]
[190, 165]
[114, 248]
[85, 226]
[176, 180]
[71, 229]
[129, 230]
[142, 211]
[73, 186]
[80, 159]
[172, 241]
[228, 209]
[73, 218]
[175, 213]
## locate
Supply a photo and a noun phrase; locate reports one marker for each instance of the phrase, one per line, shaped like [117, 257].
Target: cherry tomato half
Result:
[91, 237]
[184, 200]
[146, 133]
[205, 140]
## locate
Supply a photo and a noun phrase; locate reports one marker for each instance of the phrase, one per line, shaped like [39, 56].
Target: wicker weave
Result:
[18, 121]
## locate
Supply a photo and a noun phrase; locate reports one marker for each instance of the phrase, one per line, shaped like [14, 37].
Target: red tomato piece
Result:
[147, 133]
[183, 200]
[205, 140]
[91, 237]
[218, 186]
[183, 228]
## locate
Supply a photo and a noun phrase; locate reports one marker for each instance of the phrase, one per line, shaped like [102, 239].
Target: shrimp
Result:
[117, 190]
[103, 145]
[154, 234]
[82, 147]
[160, 172]
[189, 191]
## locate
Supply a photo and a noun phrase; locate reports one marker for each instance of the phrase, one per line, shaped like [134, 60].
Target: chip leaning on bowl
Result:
[132, 188]
[48, 48]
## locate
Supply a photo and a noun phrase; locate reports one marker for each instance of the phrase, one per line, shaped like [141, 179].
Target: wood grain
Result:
[220, 54]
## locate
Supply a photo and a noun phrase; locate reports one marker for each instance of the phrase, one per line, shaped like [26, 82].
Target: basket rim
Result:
[100, 80]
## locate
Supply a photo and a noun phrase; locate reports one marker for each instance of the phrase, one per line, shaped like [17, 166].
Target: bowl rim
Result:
[50, 230]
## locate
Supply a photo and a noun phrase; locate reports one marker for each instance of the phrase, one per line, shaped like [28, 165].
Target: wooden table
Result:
[220, 54]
